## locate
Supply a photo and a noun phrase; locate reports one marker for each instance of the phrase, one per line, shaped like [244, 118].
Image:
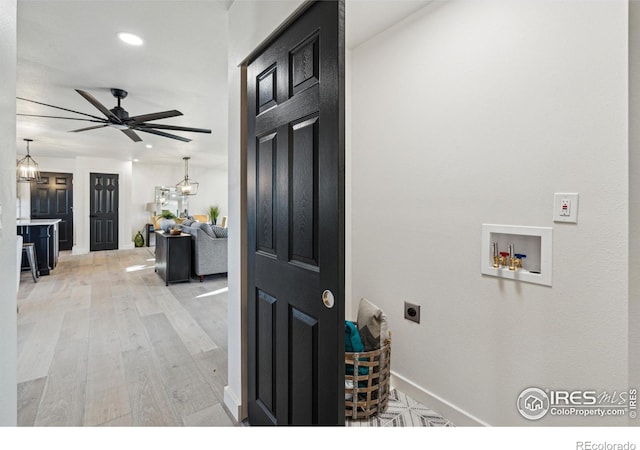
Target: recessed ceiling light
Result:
[130, 39]
[135, 160]
[149, 146]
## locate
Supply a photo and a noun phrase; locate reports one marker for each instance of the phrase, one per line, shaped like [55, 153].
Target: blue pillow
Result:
[352, 339]
[353, 343]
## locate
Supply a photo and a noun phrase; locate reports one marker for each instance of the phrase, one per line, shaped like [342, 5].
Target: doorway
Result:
[103, 211]
[295, 217]
[52, 198]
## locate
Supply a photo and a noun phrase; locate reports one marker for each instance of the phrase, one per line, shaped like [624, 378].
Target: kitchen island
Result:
[44, 234]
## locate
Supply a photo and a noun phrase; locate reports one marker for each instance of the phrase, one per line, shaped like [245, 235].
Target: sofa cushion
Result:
[187, 222]
[220, 232]
[207, 230]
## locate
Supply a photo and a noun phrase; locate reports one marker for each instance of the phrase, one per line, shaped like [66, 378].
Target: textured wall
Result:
[477, 112]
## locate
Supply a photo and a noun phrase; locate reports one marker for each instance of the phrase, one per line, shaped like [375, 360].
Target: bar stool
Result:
[30, 249]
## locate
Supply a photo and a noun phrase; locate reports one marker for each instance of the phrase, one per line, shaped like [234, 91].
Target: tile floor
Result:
[403, 411]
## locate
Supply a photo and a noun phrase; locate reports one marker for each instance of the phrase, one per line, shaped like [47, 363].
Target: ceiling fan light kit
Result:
[27, 169]
[186, 186]
[120, 119]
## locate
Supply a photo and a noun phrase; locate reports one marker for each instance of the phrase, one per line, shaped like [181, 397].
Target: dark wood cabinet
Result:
[173, 257]
[44, 234]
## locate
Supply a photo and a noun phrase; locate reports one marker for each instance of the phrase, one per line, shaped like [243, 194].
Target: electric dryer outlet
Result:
[412, 312]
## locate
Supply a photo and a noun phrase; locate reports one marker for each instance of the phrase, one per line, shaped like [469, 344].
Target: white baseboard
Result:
[456, 415]
[75, 250]
[232, 404]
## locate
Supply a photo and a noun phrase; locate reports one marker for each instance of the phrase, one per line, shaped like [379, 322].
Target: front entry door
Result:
[103, 213]
[52, 198]
[295, 200]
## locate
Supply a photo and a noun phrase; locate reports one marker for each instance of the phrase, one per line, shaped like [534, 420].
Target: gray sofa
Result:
[208, 250]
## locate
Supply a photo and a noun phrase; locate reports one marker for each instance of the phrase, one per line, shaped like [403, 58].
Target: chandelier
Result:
[186, 186]
[27, 169]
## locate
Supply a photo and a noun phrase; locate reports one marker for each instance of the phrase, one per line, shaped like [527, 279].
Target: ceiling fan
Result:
[119, 118]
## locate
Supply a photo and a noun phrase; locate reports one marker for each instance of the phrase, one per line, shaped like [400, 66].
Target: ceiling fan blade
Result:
[58, 107]
[69, 118]
[172, 127]
[153, 116]
[88, 128]
[160, 133]
[103, 109]
[132, 135]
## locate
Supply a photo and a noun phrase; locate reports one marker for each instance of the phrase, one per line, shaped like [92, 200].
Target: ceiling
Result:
[68, 45]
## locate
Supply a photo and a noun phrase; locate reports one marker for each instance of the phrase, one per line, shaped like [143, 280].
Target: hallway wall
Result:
[8, 318]
[250, 23]
[477, 112]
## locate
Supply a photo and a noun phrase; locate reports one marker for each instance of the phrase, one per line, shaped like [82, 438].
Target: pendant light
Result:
[186, 186]
[27, 169]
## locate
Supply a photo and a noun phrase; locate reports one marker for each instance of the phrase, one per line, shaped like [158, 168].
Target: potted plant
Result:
[214, 212]
[167, 221]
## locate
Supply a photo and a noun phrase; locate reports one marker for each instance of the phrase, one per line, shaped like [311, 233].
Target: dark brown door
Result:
[103, 215]
[295, 173]
[52, 198]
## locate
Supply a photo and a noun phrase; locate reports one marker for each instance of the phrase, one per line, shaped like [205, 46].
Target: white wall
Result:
[250, 23]
[477, 112]
[634, 194]
[8, 318]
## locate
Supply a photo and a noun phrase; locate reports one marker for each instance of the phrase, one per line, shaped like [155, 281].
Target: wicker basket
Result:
[370, 392]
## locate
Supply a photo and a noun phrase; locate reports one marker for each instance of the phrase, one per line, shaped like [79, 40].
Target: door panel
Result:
[265, 351]
[52, 198]
[266, 182]
[295, 200]
[103, 216]
[303, 178]
[303, 385]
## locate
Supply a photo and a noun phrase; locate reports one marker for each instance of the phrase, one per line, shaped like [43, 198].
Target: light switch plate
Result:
[565, 207]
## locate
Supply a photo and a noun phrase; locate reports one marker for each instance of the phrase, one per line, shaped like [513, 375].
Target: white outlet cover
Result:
[572, 216]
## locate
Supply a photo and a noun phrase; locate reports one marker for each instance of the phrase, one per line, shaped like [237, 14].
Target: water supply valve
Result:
[518, 257]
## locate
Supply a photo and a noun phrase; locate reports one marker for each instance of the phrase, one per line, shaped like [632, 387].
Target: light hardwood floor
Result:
[103, 342]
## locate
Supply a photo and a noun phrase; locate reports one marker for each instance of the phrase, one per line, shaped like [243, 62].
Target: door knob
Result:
[328, 299]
